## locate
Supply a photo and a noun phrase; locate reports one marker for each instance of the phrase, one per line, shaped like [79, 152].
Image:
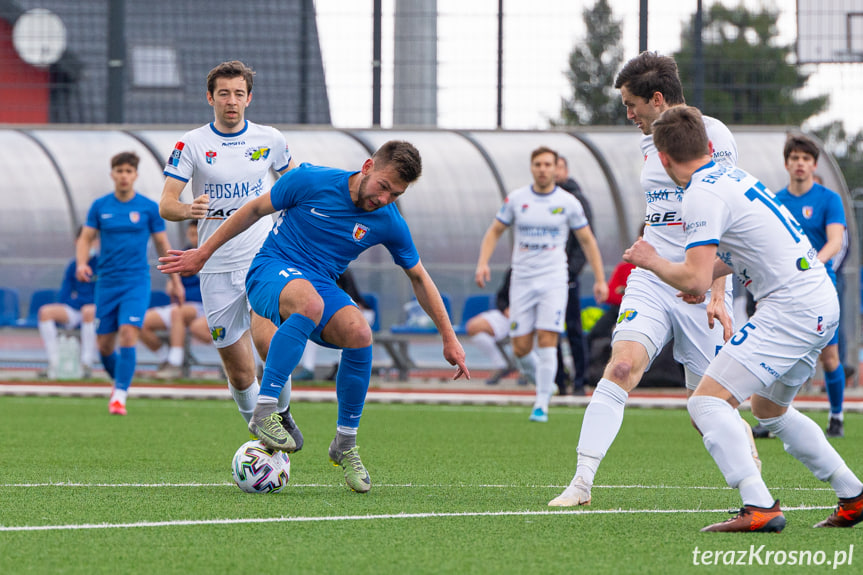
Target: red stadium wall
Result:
[24, 89]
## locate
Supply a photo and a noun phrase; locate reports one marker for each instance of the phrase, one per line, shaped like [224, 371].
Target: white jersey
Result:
[231, 169]
[663, 221]
[542, 224]
[756, 235]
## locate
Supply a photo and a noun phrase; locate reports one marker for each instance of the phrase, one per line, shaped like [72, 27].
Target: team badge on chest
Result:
[134, 217]
[211, 157]
[360, 231]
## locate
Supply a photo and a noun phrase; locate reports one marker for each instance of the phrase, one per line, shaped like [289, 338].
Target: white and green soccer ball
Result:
[258, 469]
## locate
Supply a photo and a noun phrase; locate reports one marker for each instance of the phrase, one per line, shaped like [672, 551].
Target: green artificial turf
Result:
[456, 489]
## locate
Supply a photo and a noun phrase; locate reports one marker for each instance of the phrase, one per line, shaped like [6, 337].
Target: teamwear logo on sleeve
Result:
[174, 160]
[360, 231]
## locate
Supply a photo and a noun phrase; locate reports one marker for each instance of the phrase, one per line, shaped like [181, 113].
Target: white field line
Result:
[397, 486]
[191, 522]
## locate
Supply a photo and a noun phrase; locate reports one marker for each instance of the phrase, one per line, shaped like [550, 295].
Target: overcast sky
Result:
[539, 34]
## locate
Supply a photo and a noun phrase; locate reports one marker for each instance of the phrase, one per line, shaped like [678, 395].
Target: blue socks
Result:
[286, 349]
[110, 363]
[352, 384]
[835, 384]
[125, 368]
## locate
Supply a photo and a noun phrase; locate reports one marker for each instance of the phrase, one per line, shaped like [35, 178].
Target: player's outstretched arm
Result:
[694, 275]
[190, 262]
[175, 287]
[430, 300]
[172, 209]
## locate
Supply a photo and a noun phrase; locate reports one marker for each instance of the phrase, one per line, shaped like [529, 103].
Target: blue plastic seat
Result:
[9, 306]
[408, 329]
[473, 306]
[372, 301]
[37, 300]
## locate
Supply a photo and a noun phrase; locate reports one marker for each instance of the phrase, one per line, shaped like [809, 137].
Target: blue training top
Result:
[124, 230]
[320, 226]
[815, 210]
[74, 293]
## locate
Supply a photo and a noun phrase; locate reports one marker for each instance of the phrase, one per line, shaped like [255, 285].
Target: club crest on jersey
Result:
[218, 333]
[524, 207]
[808, 211]
[627, 315]
[134, 217]
[360, 231]
[211, 157]
[174, 159]
[557, 211]
[260, 153]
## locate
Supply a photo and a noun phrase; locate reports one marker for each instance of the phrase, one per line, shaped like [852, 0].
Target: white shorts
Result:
[226, 306]
[74, 317]
[499, 323]
[537, 303]
[164, 312]
[779, 346]
[650, 308]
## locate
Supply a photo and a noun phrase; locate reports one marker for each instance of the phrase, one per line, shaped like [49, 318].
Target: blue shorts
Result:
[121, 304]
[267, 278]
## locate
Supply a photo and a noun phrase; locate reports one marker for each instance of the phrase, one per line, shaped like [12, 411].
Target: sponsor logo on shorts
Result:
[360, 231]
[211, 157]
[513, 325]
[769, 369]
[627, 315]
[820, 327]
[803, 264]
[218, 333]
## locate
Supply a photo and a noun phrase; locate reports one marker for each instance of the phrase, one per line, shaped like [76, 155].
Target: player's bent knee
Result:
[620, 370]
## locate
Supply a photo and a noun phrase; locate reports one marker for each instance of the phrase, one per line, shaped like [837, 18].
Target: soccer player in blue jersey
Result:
[123, 221]
[820, 212]
[327, 217]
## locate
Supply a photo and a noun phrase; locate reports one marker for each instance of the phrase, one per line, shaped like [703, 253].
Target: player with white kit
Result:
[732, 222]
[542, 216]
[651, 313]
[230, 163]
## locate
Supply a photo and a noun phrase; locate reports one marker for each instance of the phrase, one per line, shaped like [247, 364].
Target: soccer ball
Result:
[258, 469]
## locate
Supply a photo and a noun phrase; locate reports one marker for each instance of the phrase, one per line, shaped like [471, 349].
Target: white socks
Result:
[527, 366]
[48, 331]
[727, 443]
[175, 356]
[485, 342]
[546, 369]
[88, 344]
[246, 399]
[804, 440]
[599, 428]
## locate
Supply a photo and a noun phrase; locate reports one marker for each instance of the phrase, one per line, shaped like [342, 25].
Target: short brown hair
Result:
[649, 73]
[231, 69]
[800, 143]
[543, 150]
[679, 132]
[402, 156]
[125, 158]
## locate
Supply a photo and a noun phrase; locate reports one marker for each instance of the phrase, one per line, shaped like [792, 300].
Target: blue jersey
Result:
[124, 230]
[320, 226]
[815, 210]
[74, 293]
